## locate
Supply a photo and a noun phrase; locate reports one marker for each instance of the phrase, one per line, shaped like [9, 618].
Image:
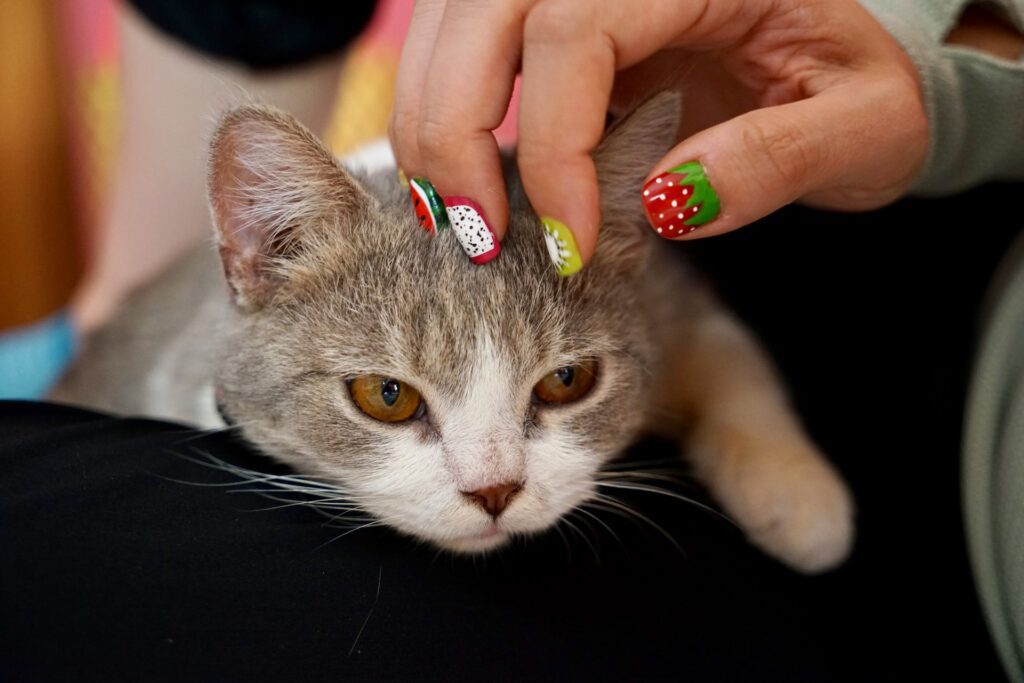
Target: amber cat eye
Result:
[385, 398]
[567, 384]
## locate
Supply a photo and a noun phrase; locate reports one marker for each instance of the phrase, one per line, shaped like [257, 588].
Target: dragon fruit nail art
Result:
[471, 229]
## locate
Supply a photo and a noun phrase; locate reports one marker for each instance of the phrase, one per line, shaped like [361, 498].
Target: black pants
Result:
[116, 565]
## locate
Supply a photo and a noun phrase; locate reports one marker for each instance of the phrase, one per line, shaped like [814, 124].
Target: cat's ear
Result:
[625, 156]
[271, 183]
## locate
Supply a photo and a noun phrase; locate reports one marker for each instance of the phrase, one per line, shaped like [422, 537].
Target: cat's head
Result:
[460, 404]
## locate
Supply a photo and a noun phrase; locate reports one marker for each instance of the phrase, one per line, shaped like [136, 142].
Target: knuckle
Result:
[402, 132]
[434, 138]
[532, 156]
[789, 156]
[557, 22]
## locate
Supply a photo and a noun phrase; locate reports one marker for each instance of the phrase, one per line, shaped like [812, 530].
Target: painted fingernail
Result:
[680, 201]
[471, 229]
[402, 180]
[428, 205]
[561, 246]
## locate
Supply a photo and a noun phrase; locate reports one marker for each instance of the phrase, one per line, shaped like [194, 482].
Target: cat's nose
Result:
[494, 499]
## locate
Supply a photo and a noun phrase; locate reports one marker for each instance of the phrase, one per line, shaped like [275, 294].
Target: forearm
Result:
[972, 77]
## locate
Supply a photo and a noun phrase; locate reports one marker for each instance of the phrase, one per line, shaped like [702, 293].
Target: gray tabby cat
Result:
[460, 404]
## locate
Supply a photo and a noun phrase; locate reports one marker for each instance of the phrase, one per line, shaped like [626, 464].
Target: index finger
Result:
[476, 55]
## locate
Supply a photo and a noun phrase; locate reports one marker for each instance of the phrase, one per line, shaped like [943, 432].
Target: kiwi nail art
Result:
[561, 246]
[428, 205]
[680, 201]
[466, 218]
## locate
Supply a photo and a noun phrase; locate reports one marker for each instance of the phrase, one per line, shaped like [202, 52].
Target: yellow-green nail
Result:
[561, 247]
[402, 179]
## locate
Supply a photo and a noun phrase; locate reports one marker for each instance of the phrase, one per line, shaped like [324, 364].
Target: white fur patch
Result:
[418, 487]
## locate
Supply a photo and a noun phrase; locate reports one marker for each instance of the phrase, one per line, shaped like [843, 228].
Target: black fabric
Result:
[111, 568]
[263, 34]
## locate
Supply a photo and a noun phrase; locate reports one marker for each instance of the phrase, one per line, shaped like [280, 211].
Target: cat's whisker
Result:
[324, 498]
[585, 538]
[202, 434]
[343, 522]
[368, 525]
[600, 521]
[656, 478]
[619, 464]
[641, 475]
[594, 505]
[631, 486]
[565, 540]
[302, 491]
[614, 502]
[216, 463]
[286, 503]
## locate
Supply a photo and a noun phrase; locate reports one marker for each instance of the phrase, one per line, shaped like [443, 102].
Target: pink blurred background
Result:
[58, 134]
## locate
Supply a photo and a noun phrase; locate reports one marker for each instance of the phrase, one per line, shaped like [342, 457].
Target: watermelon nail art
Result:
[470, 227]
[680, 201]
[561, 247]
[427, 205]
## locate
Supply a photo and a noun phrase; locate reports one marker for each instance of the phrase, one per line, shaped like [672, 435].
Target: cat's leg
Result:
[748, 446]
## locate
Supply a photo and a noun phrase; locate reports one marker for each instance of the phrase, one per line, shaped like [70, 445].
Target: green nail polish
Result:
[427, 205]
[704, 195]
[561, 247]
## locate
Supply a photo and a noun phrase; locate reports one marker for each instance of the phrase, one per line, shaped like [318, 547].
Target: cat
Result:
[460, 404]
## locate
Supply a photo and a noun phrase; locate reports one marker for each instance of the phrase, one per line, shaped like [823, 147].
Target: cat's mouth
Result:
[491, 537]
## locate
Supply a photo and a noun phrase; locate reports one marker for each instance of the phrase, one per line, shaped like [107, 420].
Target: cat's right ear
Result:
[271, 183]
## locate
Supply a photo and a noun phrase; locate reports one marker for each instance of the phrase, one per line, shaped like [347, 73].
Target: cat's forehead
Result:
[401, 300]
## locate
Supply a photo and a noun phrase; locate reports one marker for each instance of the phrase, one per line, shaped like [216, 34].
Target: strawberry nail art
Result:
[427, 205]
[680, 201]
[471, 229]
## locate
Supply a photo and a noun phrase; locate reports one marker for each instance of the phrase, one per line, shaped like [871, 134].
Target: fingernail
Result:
[402, 180]
[561, 246]
[680, 201]
[427, 205]
[471, 229]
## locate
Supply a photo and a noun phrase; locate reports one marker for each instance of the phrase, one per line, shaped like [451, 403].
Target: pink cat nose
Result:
[494, 499]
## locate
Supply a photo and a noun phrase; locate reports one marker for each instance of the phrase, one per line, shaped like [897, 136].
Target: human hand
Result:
[785, 100]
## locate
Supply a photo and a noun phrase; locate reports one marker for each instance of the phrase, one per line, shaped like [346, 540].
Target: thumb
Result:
[829, 146]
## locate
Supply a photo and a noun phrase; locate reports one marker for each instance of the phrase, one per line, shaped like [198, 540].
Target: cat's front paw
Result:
[787, 498]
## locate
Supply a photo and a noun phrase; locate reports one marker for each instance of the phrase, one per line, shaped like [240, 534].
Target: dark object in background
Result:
[262, 34]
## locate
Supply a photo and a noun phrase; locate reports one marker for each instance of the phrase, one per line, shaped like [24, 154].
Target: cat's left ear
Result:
[271, 185]
[625, 156]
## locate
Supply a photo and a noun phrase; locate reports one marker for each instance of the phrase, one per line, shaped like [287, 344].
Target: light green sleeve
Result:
[974, 101]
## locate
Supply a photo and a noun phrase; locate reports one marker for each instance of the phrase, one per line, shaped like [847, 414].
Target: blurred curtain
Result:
[38, 240]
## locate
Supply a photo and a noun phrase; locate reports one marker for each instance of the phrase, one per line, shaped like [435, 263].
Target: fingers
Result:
[412, 74]
[569, 61]
[568, 69]
[571, 52]
[739, 171]
[471, 74]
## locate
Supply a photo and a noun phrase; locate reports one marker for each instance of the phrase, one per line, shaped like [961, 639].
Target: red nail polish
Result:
[466, 218]
[680, 201]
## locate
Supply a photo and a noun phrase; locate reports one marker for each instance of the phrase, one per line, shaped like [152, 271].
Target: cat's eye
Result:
[567, 384]
[386, 398]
